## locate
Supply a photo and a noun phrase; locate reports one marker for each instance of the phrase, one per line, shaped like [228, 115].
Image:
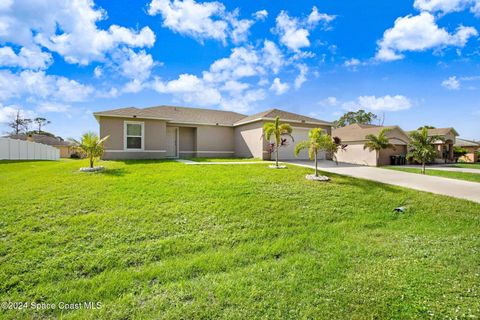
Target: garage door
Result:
[287, 152]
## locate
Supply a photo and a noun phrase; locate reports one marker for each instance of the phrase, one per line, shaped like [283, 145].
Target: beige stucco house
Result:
[179, 132]
[355, 137]
[473, 147]
[444, 146]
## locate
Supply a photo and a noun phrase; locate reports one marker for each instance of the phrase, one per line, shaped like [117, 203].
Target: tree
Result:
[421, 147]
[19, 124]
[41, 122]
[318, 141]
[360, 116]
[277, 130]
[91, 145]
[427, 127]
[378, 143]
[459, 152]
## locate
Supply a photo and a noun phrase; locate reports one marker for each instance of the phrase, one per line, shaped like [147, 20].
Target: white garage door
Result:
[287, 152]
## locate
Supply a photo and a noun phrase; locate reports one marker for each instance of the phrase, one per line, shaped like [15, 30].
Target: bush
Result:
[75, 156]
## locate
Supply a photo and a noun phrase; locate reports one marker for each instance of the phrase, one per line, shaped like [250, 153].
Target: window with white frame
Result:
[134, 135]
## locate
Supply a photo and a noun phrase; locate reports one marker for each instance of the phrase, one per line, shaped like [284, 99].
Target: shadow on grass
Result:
[118, 172]
[145, 161]
[365, 185]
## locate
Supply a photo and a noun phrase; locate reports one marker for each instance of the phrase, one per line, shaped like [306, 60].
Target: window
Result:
[134, 135]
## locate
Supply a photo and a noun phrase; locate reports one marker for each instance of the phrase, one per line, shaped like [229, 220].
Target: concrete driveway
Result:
[444, 186]
[444, 168]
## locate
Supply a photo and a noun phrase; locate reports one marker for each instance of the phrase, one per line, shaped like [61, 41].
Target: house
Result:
[180, 132]
[65, 147]
[444, 146]
[472, 147]
[354, 136]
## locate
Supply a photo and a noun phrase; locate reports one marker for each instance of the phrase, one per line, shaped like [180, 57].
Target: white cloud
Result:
[451, 83]
[53, 107]
[136, 65]
[36, 84]
[302, 76]
[329, 102]
[447, 6]
[68, 28]
[261, 15]
[385, 103]
[294, 32]
[278, 87]
[272, 56]
[315, 17]
[208, 20]
[352, 64]
[8, 113]
[26, 58]
[98, 72]
[419, 33]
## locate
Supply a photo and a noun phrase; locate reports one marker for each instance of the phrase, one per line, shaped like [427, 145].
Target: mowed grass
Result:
[466, 165]
[474, 177]
[164, 240]
[225, 159]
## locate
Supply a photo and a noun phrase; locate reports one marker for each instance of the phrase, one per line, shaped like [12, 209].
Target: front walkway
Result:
[443, 168]
[444, 186]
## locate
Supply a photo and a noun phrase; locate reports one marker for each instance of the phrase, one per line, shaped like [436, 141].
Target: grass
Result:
[466, 165]
[475, 177]
[225, 159]
[164, 240]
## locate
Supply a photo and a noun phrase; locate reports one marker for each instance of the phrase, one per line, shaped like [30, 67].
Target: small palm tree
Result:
[378, 143]
[318, 141]
[421, 147]
[277, 130]
[91, 145]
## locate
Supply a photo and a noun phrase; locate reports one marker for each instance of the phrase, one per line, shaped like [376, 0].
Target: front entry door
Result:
[172, 142]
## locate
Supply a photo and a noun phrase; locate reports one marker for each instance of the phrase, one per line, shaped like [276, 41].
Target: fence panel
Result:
[13, 149]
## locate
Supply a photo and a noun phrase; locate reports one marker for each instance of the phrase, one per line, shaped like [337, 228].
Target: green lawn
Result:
[225, 159]
[466, 165]
[475, 177]
[160, 239]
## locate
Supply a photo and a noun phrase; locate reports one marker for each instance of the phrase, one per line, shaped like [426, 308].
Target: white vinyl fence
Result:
[13, 149]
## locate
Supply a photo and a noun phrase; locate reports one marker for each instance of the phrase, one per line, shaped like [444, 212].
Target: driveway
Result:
[444, 168]
[444, 186]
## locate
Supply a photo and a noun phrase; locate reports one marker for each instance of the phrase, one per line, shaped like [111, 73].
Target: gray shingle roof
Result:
[204, 116]
[466, 143]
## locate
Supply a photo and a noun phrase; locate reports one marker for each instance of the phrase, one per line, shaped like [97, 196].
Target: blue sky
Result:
[412, 62]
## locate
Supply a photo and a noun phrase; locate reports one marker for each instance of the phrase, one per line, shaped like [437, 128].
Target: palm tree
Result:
[277, 130]
[318, 140]
[421, 147]
[378, 143]
[91, 145]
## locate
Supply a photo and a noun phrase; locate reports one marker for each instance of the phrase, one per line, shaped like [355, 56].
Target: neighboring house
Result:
[444, 146]
[471, 146]
[354, 136]
[65, 147]
[179, 132]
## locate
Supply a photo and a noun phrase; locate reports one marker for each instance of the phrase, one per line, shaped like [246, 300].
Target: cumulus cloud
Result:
[329, 102]
[53, 107]
[26, 58]
[447, 6]
[272, 56]
[385, 103]
[8, 113]
[279, 87]
[68, 28]
[302, 76]
[261, 15]
[419, 33]
[294, 32]
[38, 85]
[201, 21]
[451, 83]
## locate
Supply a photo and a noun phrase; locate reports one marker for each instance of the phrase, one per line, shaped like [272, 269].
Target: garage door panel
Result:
[288, 152]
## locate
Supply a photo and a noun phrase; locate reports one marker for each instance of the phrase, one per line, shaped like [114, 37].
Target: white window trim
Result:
[125, 136]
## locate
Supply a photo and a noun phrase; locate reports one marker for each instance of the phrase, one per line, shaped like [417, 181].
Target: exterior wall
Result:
[188, 142]
[355, 154]
[384, 158]
[215, 142]
[154, 135]
[470, 156]
[249, 141]
[65, 151]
